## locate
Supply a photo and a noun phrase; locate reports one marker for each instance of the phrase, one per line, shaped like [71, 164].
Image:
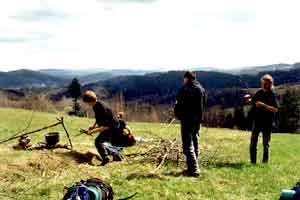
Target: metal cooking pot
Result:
[52, 138]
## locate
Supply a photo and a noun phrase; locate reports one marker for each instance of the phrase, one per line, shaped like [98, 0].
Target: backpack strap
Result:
[130, 197]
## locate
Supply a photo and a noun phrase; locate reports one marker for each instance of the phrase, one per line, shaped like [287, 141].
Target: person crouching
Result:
[106, 124]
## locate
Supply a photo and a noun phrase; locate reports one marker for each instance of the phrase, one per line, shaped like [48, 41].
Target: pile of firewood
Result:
[169, 152]
[165, 152]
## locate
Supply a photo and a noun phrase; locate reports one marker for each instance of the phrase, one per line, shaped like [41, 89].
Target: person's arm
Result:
[267, 107]
[93, 126]
[128, 129]
[97, 130]
[93, 129]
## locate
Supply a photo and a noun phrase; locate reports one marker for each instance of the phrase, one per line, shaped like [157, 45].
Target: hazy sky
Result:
[147, 34]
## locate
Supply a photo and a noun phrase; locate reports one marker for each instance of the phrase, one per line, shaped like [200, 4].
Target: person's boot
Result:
[103, 153]
[191, 174]
[193, 166]
[117, 157]
[266, 155]
[195, 174]
[105, 161]
[253, 159]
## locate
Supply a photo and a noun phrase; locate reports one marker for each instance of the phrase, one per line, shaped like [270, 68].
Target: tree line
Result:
[287, 120]
[225, 92]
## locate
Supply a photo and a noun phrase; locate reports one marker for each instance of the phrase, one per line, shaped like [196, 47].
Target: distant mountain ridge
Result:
[92, 75]
[61, 77]
[27, 78]
[257, 69]
[106, 75]
[69, 73]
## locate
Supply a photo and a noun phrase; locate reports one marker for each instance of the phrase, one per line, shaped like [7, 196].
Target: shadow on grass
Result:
[80, 157]
[145, 176]
[217, 164]
[160, 176]
[237, 165]
[174, 173]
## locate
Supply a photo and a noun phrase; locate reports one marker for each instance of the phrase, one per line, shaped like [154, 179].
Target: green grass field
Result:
[42, 175]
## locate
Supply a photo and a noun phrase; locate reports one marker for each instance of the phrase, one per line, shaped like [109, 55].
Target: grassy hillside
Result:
[226, 173]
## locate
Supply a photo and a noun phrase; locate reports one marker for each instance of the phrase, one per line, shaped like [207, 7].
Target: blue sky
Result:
[147, 34]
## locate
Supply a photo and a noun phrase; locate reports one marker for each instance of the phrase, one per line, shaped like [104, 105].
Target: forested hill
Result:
[157, 88]
[281, 77]
[164, 85]
[223, 88]
[29, 78]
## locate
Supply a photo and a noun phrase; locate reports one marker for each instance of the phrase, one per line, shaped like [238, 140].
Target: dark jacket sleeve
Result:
[255, 98]
[178, 109]
[199, 103]
[274, 102]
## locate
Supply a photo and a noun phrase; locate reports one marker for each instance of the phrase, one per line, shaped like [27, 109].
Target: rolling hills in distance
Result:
[160, 86]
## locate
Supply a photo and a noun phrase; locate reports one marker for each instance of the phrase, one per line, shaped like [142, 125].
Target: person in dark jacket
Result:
[264, 107]
[189, 108]
[107, 125]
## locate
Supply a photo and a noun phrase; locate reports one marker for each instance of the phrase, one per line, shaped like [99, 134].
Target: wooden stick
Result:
[98, 130]
[60, 121]
[31, 132]
[91, 132]
[164, 157]
[67, 133]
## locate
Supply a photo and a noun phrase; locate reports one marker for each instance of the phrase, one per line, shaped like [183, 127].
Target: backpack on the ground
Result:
[296, 188]
[91, 189]
[292, 194]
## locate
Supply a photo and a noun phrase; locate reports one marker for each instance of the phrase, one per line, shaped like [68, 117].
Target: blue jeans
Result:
[113, 136]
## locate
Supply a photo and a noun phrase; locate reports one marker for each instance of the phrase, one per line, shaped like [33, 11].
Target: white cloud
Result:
[148, 34]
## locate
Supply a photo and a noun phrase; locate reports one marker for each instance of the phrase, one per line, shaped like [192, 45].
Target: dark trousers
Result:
[190, 144]
[113, 136]
[266, 132]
